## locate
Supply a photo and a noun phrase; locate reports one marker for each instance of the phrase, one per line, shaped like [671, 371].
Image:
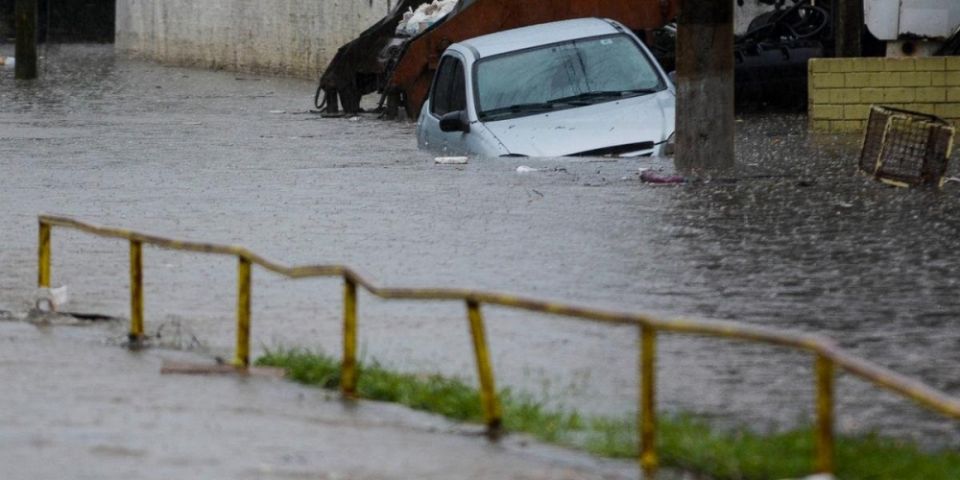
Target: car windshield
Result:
[563, 75]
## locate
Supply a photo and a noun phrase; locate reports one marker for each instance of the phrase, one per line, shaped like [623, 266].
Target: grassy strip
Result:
[683, 442]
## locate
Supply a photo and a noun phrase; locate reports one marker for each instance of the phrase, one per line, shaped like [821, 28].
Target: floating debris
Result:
[649, 176]
[450, 160]
[905, 148]
[51, 299]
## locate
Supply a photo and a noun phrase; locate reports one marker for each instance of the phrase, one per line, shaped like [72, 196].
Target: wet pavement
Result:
[795, 239]
[74, 409]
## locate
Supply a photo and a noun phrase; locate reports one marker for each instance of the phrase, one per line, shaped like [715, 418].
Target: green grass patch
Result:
[684, 442]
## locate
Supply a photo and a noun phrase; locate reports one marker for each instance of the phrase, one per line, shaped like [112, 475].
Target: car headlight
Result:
[669, 147]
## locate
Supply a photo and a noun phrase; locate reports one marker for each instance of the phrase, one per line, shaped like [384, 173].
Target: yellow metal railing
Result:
[827, 356]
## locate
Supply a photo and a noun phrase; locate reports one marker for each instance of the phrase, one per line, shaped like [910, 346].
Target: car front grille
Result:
[615, 151]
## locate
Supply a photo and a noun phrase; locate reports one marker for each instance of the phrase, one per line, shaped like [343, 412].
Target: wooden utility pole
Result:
[705, 120]
[25, 12]
[848, 27]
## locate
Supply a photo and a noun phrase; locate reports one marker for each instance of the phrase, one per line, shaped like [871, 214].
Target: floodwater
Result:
[794, 239]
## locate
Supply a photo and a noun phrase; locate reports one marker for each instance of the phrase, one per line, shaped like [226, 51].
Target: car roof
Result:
[536, 35]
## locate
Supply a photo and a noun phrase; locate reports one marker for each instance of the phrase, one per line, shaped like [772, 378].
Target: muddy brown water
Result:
[794, 239]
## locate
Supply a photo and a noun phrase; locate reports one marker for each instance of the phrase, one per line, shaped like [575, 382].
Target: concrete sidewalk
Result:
[75, 406]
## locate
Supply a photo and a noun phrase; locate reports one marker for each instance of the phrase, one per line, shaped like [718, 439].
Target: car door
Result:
[448, 94]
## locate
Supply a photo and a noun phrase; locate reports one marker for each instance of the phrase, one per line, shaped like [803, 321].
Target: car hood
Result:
[647, 118]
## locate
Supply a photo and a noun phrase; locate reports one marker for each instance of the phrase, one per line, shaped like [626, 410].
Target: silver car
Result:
[578, 87]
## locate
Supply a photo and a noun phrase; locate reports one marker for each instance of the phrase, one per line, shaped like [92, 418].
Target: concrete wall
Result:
[284, 37]
[843, 89]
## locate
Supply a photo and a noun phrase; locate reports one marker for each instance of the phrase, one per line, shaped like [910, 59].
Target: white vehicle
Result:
[578, 87]
[912, 27]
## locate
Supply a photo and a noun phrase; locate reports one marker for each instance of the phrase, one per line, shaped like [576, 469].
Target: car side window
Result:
[449, 91]
[458, 91]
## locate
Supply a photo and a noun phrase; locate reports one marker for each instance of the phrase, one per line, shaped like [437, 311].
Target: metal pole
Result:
[648, 395]
[348, 377]
[488, 393]
[136, 291]
[46, 33]
[243, 313]
[825, 380]
[848, 27]
[705, 117]
[43, 253]
[26, 49]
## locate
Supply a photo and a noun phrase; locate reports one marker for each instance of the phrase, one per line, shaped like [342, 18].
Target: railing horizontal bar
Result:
[197, 247]
[888, 379]
[883, 377]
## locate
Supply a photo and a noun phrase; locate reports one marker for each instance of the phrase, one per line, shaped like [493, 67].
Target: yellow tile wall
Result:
[841, 90]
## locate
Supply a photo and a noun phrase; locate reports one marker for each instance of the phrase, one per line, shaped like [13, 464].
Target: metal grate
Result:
[906, 148]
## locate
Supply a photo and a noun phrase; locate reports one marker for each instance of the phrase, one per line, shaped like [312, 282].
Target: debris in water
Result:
[275, 112]
[450, 160]
[904, 148]
[51, 299]
[8, 61]
[649, 176]
[526, 169]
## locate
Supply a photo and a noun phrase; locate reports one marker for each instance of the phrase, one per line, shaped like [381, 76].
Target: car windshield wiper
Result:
[519, 108]
[604, 95]
[585, 98]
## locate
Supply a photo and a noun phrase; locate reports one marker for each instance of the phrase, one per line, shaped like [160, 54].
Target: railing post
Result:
[348, 376]
[488, 392]
[136, 292]
[243, 313]
[43, 252]
[825, 380]
[648, 415]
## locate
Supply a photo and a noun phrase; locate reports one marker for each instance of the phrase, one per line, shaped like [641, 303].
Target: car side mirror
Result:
[673, 77]
[456, 121]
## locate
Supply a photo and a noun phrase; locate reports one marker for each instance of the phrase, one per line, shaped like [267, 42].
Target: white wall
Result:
[284, 37]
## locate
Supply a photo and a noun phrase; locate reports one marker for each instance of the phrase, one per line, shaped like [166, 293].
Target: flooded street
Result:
[795, 240]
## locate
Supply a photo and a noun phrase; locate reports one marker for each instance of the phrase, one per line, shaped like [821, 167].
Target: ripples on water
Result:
[793, 239]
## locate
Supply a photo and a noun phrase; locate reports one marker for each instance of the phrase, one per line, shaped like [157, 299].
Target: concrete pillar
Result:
[705, 118]
[25, 12]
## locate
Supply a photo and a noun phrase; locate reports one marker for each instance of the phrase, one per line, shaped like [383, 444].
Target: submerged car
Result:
[584, 87]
